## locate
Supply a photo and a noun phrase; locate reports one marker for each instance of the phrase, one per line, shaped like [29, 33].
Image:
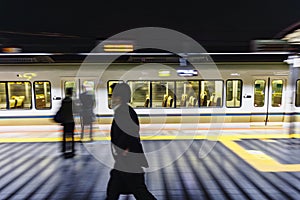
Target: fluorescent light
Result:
[128, 46]
[117, 50]
[11, 50]
[118, 47]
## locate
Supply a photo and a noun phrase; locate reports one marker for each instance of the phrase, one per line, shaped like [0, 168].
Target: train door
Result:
[79, 85]
[268, 97]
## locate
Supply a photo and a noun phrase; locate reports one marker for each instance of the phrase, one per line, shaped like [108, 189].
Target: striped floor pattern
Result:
[285, 151]
[38, 171]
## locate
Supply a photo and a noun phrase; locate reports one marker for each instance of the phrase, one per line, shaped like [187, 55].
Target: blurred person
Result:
[87, 116]
[127, 176]
[68, 122]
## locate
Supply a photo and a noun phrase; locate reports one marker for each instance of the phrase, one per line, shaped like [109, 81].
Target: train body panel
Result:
[249, 93]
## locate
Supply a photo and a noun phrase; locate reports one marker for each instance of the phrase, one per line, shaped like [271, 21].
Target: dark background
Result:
[220, 26]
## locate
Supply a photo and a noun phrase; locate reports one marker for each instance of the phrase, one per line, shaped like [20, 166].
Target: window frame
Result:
[264, 92]
[107, 90]
[241, 93]
[34, 93]
[150, 93]
[222, 102]
[175, 93]
[6, 95]
[297, 95]
[7, 92]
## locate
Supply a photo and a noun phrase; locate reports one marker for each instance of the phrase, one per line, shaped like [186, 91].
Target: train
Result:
[233, 90]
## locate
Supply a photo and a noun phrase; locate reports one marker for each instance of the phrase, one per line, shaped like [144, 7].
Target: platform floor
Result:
[233, 169]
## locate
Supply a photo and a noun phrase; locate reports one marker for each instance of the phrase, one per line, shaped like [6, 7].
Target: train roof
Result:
[23, 58]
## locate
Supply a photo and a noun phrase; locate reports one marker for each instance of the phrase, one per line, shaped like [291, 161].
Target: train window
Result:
[88, 86]
[187, 93]
[3, 102]
[211, 93]
[277, 93]
[233, 93]
[259, 93]
[297, 103]
[19, 95]
[42, 94]
[71, 84]
[110, 85]
[163, 94]
[140, 97]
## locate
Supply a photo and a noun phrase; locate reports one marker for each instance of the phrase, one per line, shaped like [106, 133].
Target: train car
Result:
[236, 90]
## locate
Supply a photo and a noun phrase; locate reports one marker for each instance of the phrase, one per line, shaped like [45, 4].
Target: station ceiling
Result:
[35, 44]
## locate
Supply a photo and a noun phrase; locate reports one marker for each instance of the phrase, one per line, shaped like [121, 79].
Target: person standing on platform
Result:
[127, 176]
[87, 116]
[68, 122]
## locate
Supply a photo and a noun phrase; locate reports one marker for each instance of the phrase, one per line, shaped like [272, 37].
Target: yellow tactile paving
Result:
[261, 162]
[164, 137]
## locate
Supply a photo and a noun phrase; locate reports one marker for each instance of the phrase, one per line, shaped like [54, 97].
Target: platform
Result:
[235, 166]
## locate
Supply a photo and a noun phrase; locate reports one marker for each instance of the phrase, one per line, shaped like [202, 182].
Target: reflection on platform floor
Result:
[284, 151]
[38, 171]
